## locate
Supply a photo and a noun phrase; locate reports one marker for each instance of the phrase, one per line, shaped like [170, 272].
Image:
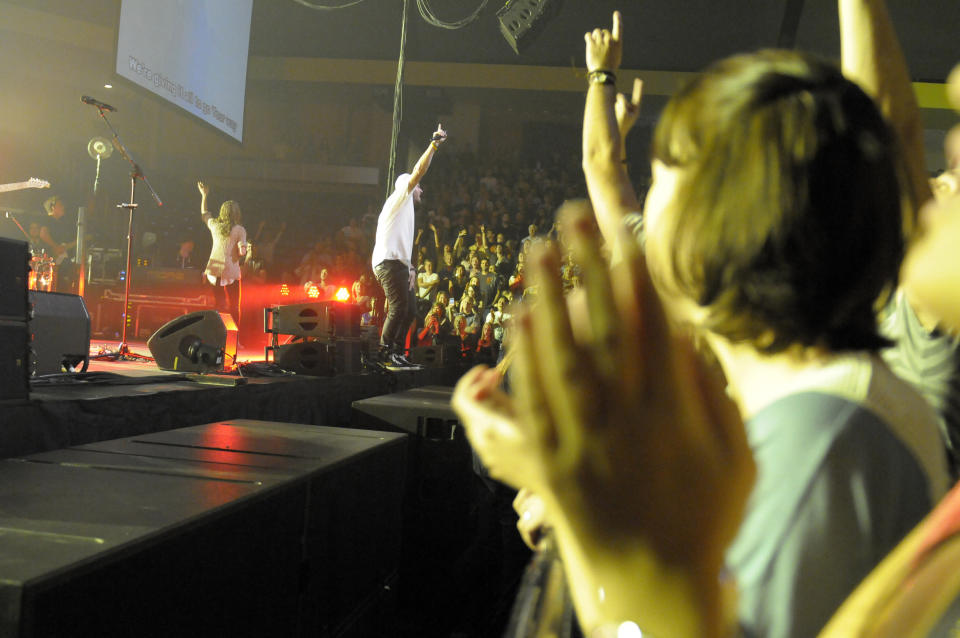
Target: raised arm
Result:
[204, 193]
[458, 244]
[871, 56]
[423, 164]
[607, 118]
[931, 269]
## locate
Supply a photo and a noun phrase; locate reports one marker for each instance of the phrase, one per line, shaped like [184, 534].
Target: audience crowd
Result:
[475, 228]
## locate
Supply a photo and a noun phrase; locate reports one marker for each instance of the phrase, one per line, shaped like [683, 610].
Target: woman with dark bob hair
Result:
[773, 231]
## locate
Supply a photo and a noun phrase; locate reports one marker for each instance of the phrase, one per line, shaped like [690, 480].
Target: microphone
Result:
[86, 99]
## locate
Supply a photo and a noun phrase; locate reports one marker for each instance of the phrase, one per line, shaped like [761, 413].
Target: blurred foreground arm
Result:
[931, 270]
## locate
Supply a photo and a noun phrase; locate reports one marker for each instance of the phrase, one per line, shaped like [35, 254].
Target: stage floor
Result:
[115, 399]
[135, 367]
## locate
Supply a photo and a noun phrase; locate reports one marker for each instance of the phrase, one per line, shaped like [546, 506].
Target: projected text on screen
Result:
[192, 53]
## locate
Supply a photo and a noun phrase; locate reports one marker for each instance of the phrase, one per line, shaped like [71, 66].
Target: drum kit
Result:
[43, 272]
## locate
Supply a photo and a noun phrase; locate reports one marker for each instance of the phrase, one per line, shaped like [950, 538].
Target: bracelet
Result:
[434, 145]
[601, 76]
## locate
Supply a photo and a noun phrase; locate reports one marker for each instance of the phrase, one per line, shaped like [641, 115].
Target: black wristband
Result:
[601, 76]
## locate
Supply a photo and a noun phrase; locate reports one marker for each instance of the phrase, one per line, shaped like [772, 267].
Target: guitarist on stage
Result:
[58, 236]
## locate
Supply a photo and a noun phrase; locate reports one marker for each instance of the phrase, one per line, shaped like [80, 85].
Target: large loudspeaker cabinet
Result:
[60, 326]
[14, 362]
[180, 344]
[14, 335]
[14, 269]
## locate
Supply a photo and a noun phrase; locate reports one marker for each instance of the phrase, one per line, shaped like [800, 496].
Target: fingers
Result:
[530, 517]
[953, 87]
[531, 403]
[562, 368]
[522, 495]
[601, 308]
[637, 92]
[617, 29]
[631, 104]
[469, 384]
[641, 319]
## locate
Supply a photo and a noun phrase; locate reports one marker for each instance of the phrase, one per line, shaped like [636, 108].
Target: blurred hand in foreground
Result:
[614, 423]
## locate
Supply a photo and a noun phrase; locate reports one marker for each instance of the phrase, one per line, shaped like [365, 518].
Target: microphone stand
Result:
[123, 350]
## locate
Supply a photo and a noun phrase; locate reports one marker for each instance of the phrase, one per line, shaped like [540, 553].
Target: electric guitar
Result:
[33, 182]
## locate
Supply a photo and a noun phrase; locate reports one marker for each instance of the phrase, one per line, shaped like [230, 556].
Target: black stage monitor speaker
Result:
[521, 20]
[203, 341]
[429, 356]
[301, 320]
[60, 326]
[322, 319]
[312, 358]
[320, 358]
[14, 269]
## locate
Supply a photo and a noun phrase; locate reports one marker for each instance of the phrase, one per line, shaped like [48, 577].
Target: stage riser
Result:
[244, 528]
[64, 416]
[441, 500]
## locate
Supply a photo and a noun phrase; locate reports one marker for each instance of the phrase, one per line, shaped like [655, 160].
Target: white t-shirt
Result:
[424, 282]
[395, 225]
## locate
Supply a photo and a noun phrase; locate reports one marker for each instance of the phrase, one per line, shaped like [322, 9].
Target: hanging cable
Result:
[397, 103]
[327, 7]
[426, 12]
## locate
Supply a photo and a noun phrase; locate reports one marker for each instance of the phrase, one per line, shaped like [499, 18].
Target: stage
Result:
[116, 399]
[130, 492]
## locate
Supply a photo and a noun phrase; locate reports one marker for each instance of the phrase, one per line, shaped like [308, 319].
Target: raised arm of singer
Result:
[392, 253]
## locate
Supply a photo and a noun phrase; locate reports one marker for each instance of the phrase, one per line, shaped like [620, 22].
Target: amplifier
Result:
[14, 269]
[14, 360]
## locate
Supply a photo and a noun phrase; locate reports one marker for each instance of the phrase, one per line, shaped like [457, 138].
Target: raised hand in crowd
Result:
[607, 117]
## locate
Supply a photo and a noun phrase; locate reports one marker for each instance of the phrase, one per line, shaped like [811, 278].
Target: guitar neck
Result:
[19, 186]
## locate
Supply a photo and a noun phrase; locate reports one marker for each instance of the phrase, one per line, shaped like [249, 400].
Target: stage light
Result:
[313, 292]
[342, 295]
[284, 290]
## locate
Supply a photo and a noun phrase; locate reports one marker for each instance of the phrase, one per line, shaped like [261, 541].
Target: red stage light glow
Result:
[284, 290]
[342, 295]
[313, 292]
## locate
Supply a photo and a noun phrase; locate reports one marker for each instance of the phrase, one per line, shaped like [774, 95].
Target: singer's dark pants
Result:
[394, 276]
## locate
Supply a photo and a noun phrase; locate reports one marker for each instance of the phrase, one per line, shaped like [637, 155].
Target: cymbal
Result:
[99, 147]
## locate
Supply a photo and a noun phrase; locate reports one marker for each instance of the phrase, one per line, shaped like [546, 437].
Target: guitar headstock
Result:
[35, 182]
